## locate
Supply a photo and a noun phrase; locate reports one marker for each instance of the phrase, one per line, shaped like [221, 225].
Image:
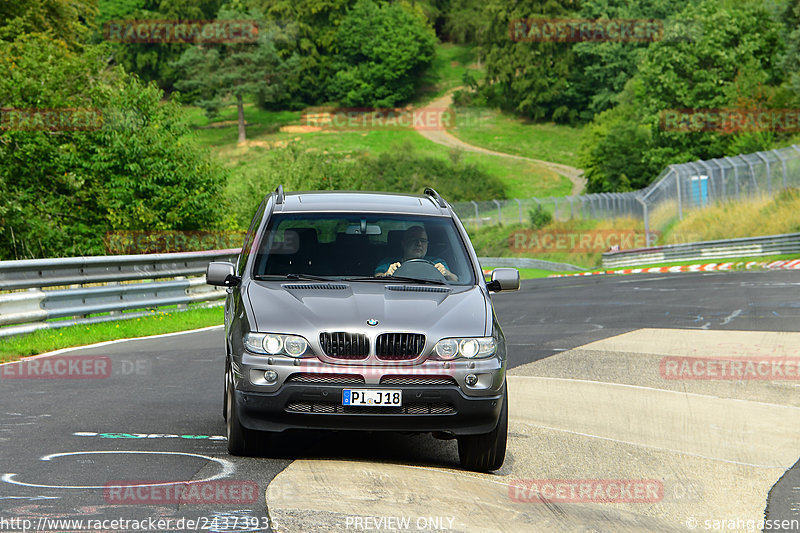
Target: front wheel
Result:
[485, 452]
[241, 440]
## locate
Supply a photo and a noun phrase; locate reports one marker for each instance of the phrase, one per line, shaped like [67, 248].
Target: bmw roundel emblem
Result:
[372, 322]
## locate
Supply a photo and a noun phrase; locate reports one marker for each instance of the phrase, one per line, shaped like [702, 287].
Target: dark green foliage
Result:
[136, 169]
[68, 20]
[316, 22]
[732, 62]
[528, 78]
[383, 51]
[153, 61]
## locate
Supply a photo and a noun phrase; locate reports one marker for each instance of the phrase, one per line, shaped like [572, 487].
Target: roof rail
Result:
[435, 195]
[279, 196]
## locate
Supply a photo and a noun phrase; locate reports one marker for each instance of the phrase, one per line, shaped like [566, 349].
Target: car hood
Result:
[306, 308]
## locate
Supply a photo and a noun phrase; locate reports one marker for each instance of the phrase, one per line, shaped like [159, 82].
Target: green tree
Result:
[316, 23]
[732, 63]
[603, 68]
[237, 70]
[153, 61]
[383, 52]
[135, 166]
[528, 78]
[68, 20]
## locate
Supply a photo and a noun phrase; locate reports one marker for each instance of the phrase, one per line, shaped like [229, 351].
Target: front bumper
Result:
[425, 409]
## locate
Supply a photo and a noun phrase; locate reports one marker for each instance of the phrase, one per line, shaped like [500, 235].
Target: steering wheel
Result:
[419, 268]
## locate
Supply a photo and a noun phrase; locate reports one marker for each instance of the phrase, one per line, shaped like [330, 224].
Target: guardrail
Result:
[105, 294]
[698, 251]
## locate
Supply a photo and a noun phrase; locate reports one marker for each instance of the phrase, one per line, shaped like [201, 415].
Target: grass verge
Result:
[47, 340]
[505, 133]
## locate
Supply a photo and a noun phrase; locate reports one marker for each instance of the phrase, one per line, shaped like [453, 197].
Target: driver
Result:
[415, 246]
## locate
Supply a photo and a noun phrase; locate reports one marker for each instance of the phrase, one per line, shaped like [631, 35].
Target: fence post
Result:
[783, 163]
[519, 204]
[678, 184]
[721, 176]
[477, 217]
[761, 156]
[646, 221]
[499, 214]
[735, 175]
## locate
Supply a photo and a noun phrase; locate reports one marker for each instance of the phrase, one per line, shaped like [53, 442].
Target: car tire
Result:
[241, 440]
[487, 451]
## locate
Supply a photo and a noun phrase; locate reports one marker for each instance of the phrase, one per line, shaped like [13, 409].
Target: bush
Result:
[539, 217]
[135, 168]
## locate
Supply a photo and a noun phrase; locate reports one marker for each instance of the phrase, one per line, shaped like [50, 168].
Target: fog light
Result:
[471, 380]
[270, 376]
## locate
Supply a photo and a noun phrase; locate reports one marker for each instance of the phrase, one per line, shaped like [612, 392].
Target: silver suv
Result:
[363, 311]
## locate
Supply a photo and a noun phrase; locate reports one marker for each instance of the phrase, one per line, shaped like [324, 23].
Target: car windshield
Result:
[363, 246]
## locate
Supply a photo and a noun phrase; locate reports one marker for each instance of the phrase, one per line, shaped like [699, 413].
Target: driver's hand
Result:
[392, 268]
[446, 273]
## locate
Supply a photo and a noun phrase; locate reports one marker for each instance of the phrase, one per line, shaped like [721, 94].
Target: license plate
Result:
[372, 397]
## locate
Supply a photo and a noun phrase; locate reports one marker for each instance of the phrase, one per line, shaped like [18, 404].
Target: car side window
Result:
[247, 245]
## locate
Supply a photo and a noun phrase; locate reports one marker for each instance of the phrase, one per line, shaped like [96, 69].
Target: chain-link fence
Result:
[678, 189]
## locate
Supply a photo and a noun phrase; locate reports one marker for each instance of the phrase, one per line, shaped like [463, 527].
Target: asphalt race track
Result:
[603, 395]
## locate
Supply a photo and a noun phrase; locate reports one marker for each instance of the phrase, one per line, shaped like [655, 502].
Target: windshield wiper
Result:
[305, 277]
[401, 279]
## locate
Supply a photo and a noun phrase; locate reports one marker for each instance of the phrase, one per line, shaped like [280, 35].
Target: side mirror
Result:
[504, 279]
[221, 274]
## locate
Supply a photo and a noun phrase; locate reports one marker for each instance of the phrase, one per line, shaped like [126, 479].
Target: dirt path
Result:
[441, 136]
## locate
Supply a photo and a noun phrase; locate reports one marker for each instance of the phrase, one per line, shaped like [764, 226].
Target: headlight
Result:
[470, 347]
[276, 344]
[446, 348]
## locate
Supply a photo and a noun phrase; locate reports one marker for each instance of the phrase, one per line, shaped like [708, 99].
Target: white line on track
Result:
[227, 470]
